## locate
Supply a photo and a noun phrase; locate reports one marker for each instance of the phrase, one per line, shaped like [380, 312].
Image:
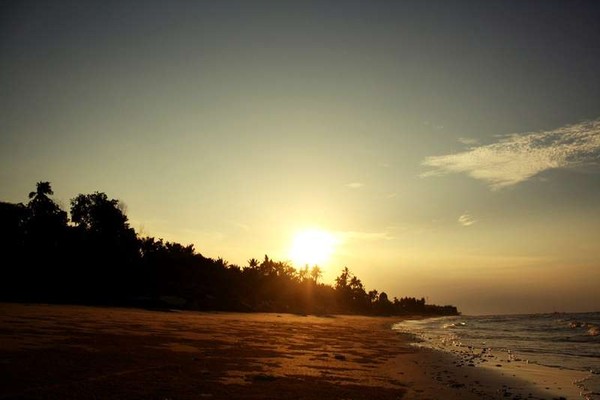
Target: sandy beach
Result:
[76, 352]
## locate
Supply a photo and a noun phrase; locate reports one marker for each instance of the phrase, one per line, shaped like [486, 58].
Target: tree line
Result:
[95, 257]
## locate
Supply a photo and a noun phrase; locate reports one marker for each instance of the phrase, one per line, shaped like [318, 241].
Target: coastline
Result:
[80, 352]
[554, 381]
[499, 379]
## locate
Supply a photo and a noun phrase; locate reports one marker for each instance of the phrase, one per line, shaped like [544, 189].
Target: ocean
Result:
[562, 341]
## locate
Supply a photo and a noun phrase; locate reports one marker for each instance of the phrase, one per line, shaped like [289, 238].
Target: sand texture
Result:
[73, 352]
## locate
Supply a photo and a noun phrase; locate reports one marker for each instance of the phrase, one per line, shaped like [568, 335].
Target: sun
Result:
[312, 247]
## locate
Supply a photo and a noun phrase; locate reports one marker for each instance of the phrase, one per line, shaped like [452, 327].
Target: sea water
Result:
[558, 340]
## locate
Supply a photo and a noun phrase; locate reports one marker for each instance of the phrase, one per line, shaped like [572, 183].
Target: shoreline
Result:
[80, 352]
[500, 378]
[549, 381]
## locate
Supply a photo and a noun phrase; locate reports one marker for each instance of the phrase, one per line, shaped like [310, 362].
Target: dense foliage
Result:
[97, 258]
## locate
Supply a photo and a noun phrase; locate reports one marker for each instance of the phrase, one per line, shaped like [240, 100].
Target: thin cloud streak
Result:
[519, 157]
[367, 236]
[466, 220]
[468, 141]
[355, 185]
[241, 226]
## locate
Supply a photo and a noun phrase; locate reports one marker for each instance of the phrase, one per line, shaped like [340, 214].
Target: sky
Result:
[446, 149]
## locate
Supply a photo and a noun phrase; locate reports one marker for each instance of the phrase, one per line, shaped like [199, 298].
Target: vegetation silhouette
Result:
[97, 258]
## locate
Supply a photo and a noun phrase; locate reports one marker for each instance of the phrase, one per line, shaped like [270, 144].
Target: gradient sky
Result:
[452, 147]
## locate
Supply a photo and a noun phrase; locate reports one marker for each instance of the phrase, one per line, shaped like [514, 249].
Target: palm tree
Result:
[316, 273]
[303, 273]
[222, 263]
[43, 190]
[42, 206]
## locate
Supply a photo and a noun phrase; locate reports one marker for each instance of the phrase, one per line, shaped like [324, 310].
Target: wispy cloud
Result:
[241, 226]
[466, 220]
[367, 236]
[355, 185]
[518, 157]
[468, 141]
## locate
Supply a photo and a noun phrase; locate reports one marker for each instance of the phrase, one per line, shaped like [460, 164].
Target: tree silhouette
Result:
[43, 190]
[96, 213]
[44, 211]
[342, 281]
[106, 233]
[316, 273]
[99, 259]
[12, 250]
[44, 243]
[373, 295]
[303, 273]
[383, 298]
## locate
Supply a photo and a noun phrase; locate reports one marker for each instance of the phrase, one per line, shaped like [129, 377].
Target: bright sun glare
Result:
[312, 247]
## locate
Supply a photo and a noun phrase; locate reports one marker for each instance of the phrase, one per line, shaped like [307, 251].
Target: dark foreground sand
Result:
[70, 352]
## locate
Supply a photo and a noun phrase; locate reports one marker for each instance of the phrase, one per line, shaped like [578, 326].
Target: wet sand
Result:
[73, 352]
